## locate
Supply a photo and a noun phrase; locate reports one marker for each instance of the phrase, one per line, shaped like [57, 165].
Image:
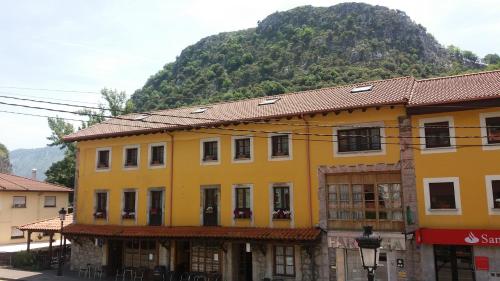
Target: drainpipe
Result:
[308, 166]
[171, 178]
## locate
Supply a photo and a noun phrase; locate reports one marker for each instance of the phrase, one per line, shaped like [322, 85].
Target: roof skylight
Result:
[361, 89]
[200, 110]
[268, 101]
[140, 117]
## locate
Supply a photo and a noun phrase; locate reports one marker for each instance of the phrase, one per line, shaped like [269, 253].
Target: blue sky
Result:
[88, 45]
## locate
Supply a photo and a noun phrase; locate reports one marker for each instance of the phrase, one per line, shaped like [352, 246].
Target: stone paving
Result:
[8, 274]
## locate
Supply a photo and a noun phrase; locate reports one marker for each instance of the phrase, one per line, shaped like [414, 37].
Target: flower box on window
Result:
[210, 158]
[242, 213]
[282, 214]
[128, 215]
[156, 162]
[102, 166]
[100, 215]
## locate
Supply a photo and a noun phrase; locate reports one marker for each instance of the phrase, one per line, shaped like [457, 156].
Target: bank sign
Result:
[458, 237]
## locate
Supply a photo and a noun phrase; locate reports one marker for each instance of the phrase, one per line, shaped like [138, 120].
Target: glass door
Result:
[155, 207]
[210, 207]
[454, 263]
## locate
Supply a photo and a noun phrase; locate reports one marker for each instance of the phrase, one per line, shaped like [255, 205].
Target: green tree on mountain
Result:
[5, 165]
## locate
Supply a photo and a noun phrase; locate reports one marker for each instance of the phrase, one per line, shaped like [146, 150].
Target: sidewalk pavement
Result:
[8, 274]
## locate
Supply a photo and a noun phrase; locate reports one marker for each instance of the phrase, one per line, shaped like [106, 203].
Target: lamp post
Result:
[62, 217]
[369, 250]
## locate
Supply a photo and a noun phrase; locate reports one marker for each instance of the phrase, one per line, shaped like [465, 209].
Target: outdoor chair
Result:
[99, 271]
[84, 271]
[139, 274]
[185, 276]
[120, 274]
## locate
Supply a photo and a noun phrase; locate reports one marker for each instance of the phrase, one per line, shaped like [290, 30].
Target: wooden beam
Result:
[28, 242]
[50, 247]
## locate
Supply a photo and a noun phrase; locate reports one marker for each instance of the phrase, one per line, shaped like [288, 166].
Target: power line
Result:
[48, 90]
[46, 98]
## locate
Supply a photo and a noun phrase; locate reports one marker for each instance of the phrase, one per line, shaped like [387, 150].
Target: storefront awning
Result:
[215, 232]
[472, 237]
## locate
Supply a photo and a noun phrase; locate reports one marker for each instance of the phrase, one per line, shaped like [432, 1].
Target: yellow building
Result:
[457, 164]
[25, 200]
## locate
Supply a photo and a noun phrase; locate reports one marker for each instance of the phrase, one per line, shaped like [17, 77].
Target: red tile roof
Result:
[384, 92]
[52, 224]
[451, 89]
[254, 233]
[15, 183]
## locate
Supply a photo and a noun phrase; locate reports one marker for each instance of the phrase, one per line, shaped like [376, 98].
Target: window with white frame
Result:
[131, 157]
[128, 211]
[280, 146]
[284, 260]
[49, 201]
[490, 130]
[493, 194]
[281, 202]
[242, 148]
[101, 205]
[210, 151]
[437, 134]
[157, 155]
[16, 233]
[242, 202]
[442, 196]
[19, 202]
[359, 139]
[103, 158]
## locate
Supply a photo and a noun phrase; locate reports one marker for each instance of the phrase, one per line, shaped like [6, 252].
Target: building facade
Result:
[23, 201]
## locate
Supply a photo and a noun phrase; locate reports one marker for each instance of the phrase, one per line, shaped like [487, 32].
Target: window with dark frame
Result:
[442, 195]
[210, 151]
[242, 149]
[103, 159]
[359, 139]
[495, 186]
[437, 134]
[242, 202]
[101, 205]
[157, 155]
[49, 201]
[284, 261]
[493, 130]
[131, 157]
[19, 202]
[281, 202]
[205, 257]
[280, 145]
[16, 233]
[128, 205]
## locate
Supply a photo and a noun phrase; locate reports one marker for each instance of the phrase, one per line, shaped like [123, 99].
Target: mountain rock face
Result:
[24, 160]
[303, 48]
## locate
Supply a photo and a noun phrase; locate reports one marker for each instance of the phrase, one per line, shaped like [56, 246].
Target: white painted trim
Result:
[382, 150]
[271, 202]
[233, 149]
[456, 187]
[124, 157]
[484, 133]
[451, 124]
[489, 194]
[150, 147]
[202, 141]
[270, 156]
[97, 159]
[233, 201]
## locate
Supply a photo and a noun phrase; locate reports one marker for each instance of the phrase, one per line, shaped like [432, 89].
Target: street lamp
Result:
[368, 249]
[62, 217]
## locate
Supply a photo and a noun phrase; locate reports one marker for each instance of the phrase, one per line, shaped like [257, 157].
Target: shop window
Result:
[210, 150]
[101, 205]
[19, 202]
[128, 205]
[131, 157]
[280, 145]
[242, 148]
[281, 202]
[242, 200]
[284, 261]
[359, 139]
[49, 201]
[205, 258]
[371, 201]
[103, 159]
[442, 195]
[157, 155]
[16, 233]
[493, 130]
[140, 253]
[437, 134]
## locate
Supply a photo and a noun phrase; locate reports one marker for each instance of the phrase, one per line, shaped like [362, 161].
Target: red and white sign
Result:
[482, 263]
[458, 237]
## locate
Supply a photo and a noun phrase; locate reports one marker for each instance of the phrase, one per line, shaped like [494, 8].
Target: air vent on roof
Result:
[268, 101]
[140, 117]
[362, 89]
[200, 110]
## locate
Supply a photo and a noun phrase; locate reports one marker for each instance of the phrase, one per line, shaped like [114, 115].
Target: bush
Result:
[26, 260]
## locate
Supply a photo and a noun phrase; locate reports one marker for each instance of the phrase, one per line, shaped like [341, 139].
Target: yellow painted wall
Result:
[189, 175]
[34, 211]
[470, 164]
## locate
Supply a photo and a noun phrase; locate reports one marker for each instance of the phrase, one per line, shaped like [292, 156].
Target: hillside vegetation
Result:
[303, 48]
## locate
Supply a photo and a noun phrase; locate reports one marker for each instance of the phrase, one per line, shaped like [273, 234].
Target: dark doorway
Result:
[244, 264]
[115, 256]
[454, 263]
[210, 207]
[182, 254]
[156, 207]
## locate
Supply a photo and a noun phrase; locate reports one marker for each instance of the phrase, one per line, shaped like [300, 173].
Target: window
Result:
[493, 194]
[131, 155]
[493, 130]
[281, 202]
[377, 199]
[284, 261]
[280, 146]
[242, 148]
[437, 135]
[205, 257]
[359, 139]
[138, 252]
[268, 101]
[103, 159]
[49, 201]
[157, 155]
[242, 203]
[16, 233]
[495, 190]
[210, 153]
[442, 196]
[101, 205]
[128, 205]
[19, 202]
